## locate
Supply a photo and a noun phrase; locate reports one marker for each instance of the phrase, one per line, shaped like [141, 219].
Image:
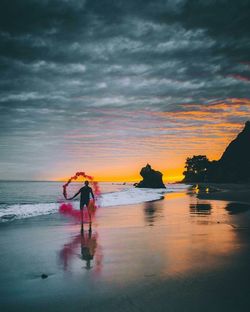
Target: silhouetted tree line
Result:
[233, 166]
[200, 169]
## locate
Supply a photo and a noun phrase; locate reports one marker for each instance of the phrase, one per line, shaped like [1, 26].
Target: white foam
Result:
[130, 196]
[21, 211]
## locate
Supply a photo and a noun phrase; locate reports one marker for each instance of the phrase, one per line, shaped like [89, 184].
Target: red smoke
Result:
[67, 208]
[96, 188]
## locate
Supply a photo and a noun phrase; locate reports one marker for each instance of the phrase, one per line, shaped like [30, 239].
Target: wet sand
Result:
[177, 254]
[229, 192]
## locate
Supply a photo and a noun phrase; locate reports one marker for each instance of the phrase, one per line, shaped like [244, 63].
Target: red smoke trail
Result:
[67, 208]
[96, 188]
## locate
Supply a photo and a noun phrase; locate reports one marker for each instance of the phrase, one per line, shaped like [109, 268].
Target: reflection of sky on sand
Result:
[177, 236]
[188, 235]
[203, 239]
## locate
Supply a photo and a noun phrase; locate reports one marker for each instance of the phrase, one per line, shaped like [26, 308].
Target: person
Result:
[85, 192]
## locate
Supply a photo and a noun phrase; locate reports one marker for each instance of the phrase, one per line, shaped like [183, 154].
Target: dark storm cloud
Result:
[176, 40]
[67, 63]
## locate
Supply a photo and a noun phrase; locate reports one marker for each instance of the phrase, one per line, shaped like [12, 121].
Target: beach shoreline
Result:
[179, 253]
[224, 191]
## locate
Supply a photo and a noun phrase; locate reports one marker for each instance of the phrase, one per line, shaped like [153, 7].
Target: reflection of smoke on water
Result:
[90, 251]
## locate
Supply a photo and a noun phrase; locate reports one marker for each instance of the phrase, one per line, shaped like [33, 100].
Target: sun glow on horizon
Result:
[175, 176]
[116, 144]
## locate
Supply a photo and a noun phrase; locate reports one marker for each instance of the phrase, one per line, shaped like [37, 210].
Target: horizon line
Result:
[121, 181]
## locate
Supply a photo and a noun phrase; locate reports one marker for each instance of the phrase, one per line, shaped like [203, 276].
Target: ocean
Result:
[19, 199]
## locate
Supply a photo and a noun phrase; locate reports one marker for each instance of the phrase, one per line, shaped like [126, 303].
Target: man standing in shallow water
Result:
[85, 192]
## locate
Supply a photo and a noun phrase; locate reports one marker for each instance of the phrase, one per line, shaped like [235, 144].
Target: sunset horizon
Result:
[225, 133]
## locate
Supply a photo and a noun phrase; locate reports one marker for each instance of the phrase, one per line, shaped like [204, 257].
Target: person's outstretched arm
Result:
[75, 195]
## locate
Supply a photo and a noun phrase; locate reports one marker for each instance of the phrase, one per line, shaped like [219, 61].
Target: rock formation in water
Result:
[151, 178]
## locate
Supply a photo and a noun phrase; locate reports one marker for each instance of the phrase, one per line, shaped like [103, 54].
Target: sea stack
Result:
[151, 178]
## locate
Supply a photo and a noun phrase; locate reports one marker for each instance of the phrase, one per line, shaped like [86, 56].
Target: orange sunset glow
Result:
[124, 142]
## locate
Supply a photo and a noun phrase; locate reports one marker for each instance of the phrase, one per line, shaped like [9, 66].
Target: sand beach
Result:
[230, 192]
[181, 253]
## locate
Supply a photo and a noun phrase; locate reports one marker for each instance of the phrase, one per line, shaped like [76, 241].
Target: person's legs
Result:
[81, 220]
[89, 213]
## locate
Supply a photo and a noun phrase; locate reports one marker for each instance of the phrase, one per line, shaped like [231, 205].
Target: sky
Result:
[107, 86]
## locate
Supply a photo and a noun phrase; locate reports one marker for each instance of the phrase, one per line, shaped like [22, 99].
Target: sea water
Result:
[24, 199]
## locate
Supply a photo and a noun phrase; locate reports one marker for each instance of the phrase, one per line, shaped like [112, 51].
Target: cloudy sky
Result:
[105, 86]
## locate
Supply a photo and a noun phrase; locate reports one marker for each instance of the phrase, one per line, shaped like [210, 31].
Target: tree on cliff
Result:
[233, 166]
[196, 168]
[235, 161]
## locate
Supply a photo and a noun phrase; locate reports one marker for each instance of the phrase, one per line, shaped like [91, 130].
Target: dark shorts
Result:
[84, 203]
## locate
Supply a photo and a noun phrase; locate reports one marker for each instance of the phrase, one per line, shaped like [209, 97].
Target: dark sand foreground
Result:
[178, 254]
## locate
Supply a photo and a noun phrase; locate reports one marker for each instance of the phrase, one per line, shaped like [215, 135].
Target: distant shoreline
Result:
[57, 181]
[225, 191]
[63, 181]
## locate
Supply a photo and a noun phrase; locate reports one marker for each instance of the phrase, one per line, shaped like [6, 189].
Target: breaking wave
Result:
[125, 197]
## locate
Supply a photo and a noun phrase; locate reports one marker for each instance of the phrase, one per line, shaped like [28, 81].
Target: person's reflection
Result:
[88, 247]
[200, 208]
[150, 212]
[87, 243]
